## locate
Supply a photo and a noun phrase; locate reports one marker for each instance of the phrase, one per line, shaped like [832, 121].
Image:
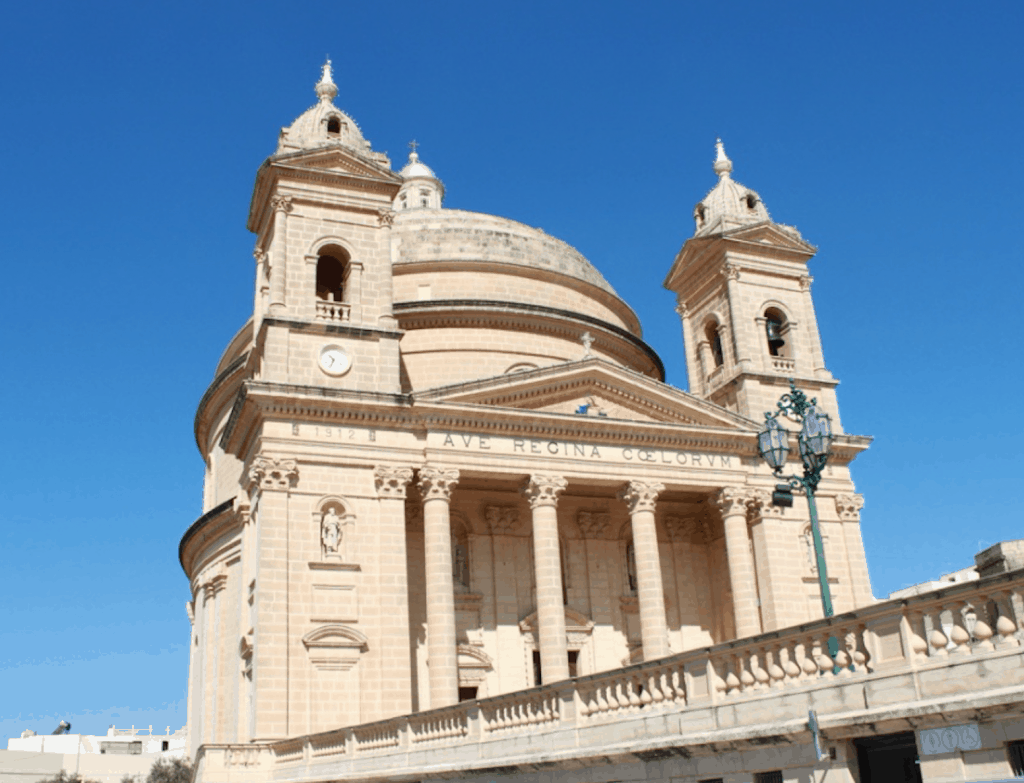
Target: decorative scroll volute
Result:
[436, 483]
[848, 507]
[733, 501]
[281, 203]
[760, 505]
[269, 473]
[391, 482]
[641, 495]
[503, 520]
[593, 524]
[544, 490]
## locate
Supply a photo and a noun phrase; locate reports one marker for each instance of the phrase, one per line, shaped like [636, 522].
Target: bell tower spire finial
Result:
[723, 166]
[326, 89]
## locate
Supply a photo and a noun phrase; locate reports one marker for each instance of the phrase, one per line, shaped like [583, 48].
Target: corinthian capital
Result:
[640, 495]
[760, 505]
[391, 482]
[437, 484]
[281, 203]
[733, 500]
[269, 473]
[259, 254]
[544, 490]
[386, 217]
[848, 507]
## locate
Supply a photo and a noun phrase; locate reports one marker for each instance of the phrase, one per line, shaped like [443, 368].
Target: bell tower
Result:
[744, 299]
[322, 214]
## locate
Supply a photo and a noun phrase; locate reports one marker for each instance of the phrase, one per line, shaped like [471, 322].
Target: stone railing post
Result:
[733, 503]
[640, 497]
[436, 486]
[543, 492]
[282, 205]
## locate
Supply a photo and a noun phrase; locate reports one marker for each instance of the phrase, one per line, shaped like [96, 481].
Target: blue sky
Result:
[889, 133]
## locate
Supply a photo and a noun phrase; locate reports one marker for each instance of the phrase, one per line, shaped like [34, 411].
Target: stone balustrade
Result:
[960, 645]
[779, 364]
[333, 312]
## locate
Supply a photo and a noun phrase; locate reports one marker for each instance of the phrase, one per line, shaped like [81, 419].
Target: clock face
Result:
[334, 360]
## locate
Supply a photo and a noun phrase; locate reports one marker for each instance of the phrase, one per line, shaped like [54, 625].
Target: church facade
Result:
[442, 464]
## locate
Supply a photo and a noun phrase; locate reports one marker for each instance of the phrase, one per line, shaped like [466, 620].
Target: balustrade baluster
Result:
[937, 639]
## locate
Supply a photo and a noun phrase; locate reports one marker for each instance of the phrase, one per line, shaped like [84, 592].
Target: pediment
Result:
[340, 160]
[592, 388]
[772, 234]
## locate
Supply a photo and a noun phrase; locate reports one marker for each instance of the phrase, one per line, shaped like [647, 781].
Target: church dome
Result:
[416, 168]
[463, 280]
[421, 189]
[323, 124]
[729, 204]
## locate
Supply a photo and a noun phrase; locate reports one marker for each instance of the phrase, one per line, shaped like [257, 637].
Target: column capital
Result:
[641, 495]
[733, 500]
[386, 218]
[437, 483]
[270, 473]
[760, 505]
[281, 203]
[259, 254]
[504, 520]
[391, 482]
[544, 490]
[681, 308]
[848, 507]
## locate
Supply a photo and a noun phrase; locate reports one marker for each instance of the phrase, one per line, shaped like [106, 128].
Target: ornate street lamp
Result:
[815, 444]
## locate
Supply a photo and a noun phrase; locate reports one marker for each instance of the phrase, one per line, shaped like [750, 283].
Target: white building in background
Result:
[104, 758]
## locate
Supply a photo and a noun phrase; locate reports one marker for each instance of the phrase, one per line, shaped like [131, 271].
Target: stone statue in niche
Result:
[332, 532]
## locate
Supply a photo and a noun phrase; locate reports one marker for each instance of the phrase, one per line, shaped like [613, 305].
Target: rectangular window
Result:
[1015, 752]
[467, 693]
[774, 776]
[165, 745]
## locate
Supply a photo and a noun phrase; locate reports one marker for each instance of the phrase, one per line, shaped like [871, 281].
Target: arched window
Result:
[334, 126]
[776, 331]
[331, 267]
[714, 338]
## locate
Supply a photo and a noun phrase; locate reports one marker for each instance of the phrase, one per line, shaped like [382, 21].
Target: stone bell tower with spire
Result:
[744, 299]
[322, 211]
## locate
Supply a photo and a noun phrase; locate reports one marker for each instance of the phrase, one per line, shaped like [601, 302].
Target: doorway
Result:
[890, 758]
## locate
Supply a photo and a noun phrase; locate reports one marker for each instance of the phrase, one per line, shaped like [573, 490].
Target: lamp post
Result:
[815, 444]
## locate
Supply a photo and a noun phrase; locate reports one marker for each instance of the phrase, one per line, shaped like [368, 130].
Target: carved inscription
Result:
[585, 451]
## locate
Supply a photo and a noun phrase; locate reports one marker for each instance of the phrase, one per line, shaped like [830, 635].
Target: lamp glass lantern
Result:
[815, 439]
[773, 443]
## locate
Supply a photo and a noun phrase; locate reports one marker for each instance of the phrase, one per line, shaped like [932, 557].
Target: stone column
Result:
[282, 205]
[436, 486]
[395, 692]
[733, 503]
[640, 497]
[543, 492]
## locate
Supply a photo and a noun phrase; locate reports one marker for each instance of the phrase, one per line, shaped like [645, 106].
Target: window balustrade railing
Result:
[335, 312]
[779, 364]
[886, 641]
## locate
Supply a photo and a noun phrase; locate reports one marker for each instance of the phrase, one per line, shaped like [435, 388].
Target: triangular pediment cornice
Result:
[335, 167]
[635, 396]
[767, 241]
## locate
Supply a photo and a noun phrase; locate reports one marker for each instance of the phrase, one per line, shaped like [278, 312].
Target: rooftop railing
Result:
[957, 642]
